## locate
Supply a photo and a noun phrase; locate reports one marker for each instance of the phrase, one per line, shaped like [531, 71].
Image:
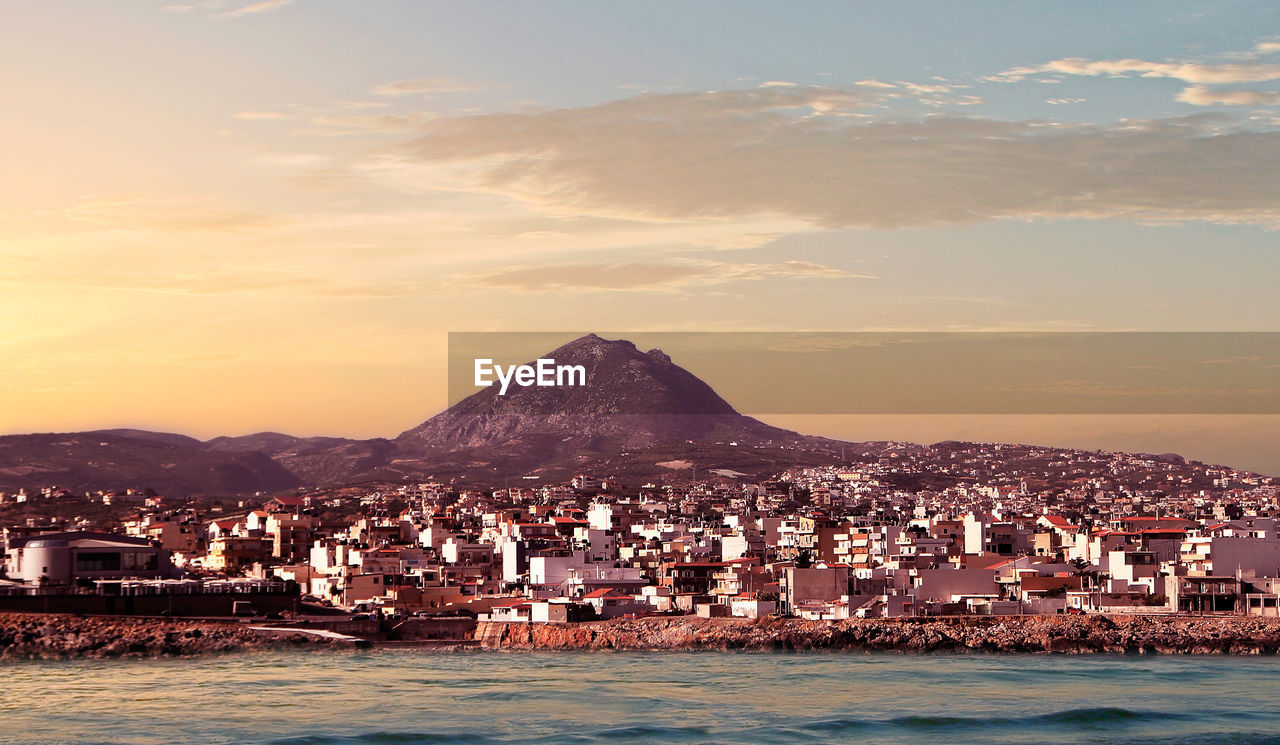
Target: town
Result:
[946, 530]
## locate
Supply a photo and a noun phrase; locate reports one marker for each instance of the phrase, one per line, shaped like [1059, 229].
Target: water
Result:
[399, 697]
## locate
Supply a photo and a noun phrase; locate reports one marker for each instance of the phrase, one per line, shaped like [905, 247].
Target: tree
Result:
[1081, 568]
[804, 559]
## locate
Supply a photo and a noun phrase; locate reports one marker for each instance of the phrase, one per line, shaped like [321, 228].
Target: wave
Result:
[638, 733]
[391, 738]
[1214, 737]
[1082, 717]
[1112, 720]
[649, 732]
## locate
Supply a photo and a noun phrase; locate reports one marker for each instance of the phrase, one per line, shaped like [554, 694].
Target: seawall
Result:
[47, 636]
[1025, 634]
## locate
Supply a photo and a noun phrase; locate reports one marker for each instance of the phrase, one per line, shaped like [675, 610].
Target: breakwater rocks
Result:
[41, 636]
[1025, 634]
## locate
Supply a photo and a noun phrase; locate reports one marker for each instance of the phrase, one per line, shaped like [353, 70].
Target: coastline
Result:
[37, 636]
[1173, 635]
[52, 637]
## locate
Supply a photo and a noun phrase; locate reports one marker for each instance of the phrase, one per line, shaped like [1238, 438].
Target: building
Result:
[80, 557]
[234, 554]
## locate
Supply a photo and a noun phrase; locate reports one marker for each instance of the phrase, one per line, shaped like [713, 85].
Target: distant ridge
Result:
[635, 400]
[641, 417]
[119, 459]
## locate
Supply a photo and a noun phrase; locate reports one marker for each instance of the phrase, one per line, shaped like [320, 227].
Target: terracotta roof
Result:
[605, 592]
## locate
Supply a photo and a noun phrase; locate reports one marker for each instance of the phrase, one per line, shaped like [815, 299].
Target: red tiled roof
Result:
[605, 592]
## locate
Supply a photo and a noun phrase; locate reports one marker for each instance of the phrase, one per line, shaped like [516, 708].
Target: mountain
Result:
[638, 412]
[635, 397]
[634, 400]
[119, 459]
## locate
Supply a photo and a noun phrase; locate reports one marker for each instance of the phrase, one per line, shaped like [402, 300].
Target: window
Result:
[98, 561]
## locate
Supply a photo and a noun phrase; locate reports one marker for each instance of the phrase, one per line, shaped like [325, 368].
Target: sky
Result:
[226, 216]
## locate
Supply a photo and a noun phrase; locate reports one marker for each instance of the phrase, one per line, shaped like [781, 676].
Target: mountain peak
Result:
[591, 345]
[595, 346]
[658, 354]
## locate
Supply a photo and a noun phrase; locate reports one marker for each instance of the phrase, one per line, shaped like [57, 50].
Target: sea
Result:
[406, 697]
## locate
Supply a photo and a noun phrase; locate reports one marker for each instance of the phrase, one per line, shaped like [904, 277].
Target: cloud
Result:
[212, 281]
[1200, 95]
[143, 213]
[216, 7]
[326, 124]
[261, 115]
[289, 159]
[919, 88]
[1190, 72]
[1098, 388]
[806, 154]
[423, 85]
[187, 7]
[1236, 360]
[266, 6]
[646, 276]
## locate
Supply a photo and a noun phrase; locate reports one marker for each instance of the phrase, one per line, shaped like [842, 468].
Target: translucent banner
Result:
[879, 373]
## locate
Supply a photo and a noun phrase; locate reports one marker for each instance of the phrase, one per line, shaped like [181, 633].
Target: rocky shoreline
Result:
[50, 637]
[1025, 634]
